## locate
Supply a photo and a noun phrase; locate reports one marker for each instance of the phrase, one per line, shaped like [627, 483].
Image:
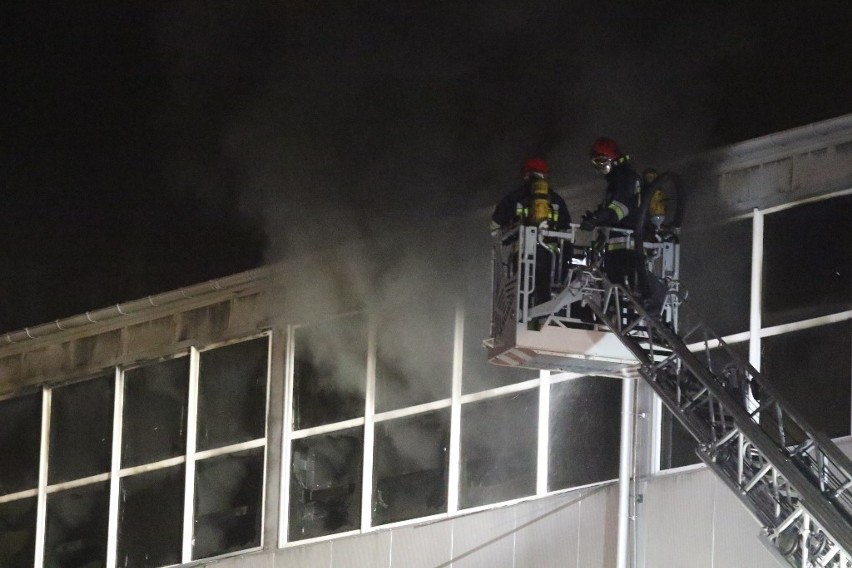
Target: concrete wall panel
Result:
[547, 532]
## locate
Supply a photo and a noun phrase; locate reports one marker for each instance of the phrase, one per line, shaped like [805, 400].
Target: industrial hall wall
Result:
[254, 420]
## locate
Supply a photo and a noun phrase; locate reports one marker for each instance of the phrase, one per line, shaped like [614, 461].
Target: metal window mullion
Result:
[115, 469]
[755, 305]
[543, 433]
[41, 502]
[455, 413]
[286, 440]
[191, 434]
[369, 429]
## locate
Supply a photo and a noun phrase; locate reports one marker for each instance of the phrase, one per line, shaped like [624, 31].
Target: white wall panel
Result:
[365, 551]
[484, 540]
[424, 546]
[599, 529]
[678, 512]
[548, 532]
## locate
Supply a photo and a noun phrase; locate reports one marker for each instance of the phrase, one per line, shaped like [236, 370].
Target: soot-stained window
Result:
[154, 414]
[17, 533]
[232, 394]
[150, 525]
[330, 371]
[76, 530]
[325, 484]
[410, 460]
[716, 273]
[585, 422]
[228, 500]
[414, 348]
[20, 435]
[81, 429]
[498, 449]
[807, 268]
[812, 369]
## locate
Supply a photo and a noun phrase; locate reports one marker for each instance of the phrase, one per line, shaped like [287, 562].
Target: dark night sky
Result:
[153, 145]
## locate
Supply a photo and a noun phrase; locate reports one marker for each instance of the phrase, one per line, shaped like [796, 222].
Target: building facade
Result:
[292, 416]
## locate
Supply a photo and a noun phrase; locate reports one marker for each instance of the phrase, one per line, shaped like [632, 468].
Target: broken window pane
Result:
[325, 484]
[585, 426]
[228, 503]
[155, 403]
[17, 533]
[150, 518]
[20, 440]
[232, 394]
[410, 461]
[813, 369]
[330, 372]
[498, 449]
[414, 354]
[81, 429]
[76, 534]
[715, 270]
[807, 270]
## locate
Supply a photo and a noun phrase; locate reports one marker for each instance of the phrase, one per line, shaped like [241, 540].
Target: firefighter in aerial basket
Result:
[620, 209]
[534, 203]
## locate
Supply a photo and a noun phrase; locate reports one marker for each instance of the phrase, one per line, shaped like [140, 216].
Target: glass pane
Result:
[155, 402]
[232, 394]
[150, 517]
[81, 429]
[330, 372]
[807, 261]
[585, 426]
[812, 369]
[17, 533]
[228, 503]
[716, 272]
[677, 444]
[325, 485]
[77, 527]
[410, 461]
[20, 439]
[414, 354]
[498, 449]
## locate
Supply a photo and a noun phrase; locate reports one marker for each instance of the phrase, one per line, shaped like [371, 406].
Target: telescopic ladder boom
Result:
[792, 478]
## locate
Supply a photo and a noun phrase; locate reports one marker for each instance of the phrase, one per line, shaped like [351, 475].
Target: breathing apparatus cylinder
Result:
[657, 209]
[539, 203]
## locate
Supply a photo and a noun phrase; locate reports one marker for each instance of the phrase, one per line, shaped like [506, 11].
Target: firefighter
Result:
[620, 209]
[534, 203]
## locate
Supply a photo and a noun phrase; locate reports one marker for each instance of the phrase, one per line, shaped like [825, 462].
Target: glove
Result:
[589, 222]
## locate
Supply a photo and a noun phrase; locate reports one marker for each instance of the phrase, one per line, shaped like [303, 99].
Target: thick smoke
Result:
[371, 140]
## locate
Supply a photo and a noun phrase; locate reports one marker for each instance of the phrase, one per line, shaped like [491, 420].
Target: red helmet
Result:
[604, 152]
[605, 147]
[535, 166]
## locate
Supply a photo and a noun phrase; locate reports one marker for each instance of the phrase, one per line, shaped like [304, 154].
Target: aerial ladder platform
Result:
[793, 479]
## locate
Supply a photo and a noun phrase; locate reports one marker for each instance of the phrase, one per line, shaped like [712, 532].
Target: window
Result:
[325, 484]
[807, 261]
[584, 446]
[155, 452]
[498, 449]
[812, 369]
[81, 429]
[20, 432]
[330, 372]
[410, 463]
[716, 272]
[155, 410]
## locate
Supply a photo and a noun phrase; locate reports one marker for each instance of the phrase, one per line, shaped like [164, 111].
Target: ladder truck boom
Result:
[792, 478]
